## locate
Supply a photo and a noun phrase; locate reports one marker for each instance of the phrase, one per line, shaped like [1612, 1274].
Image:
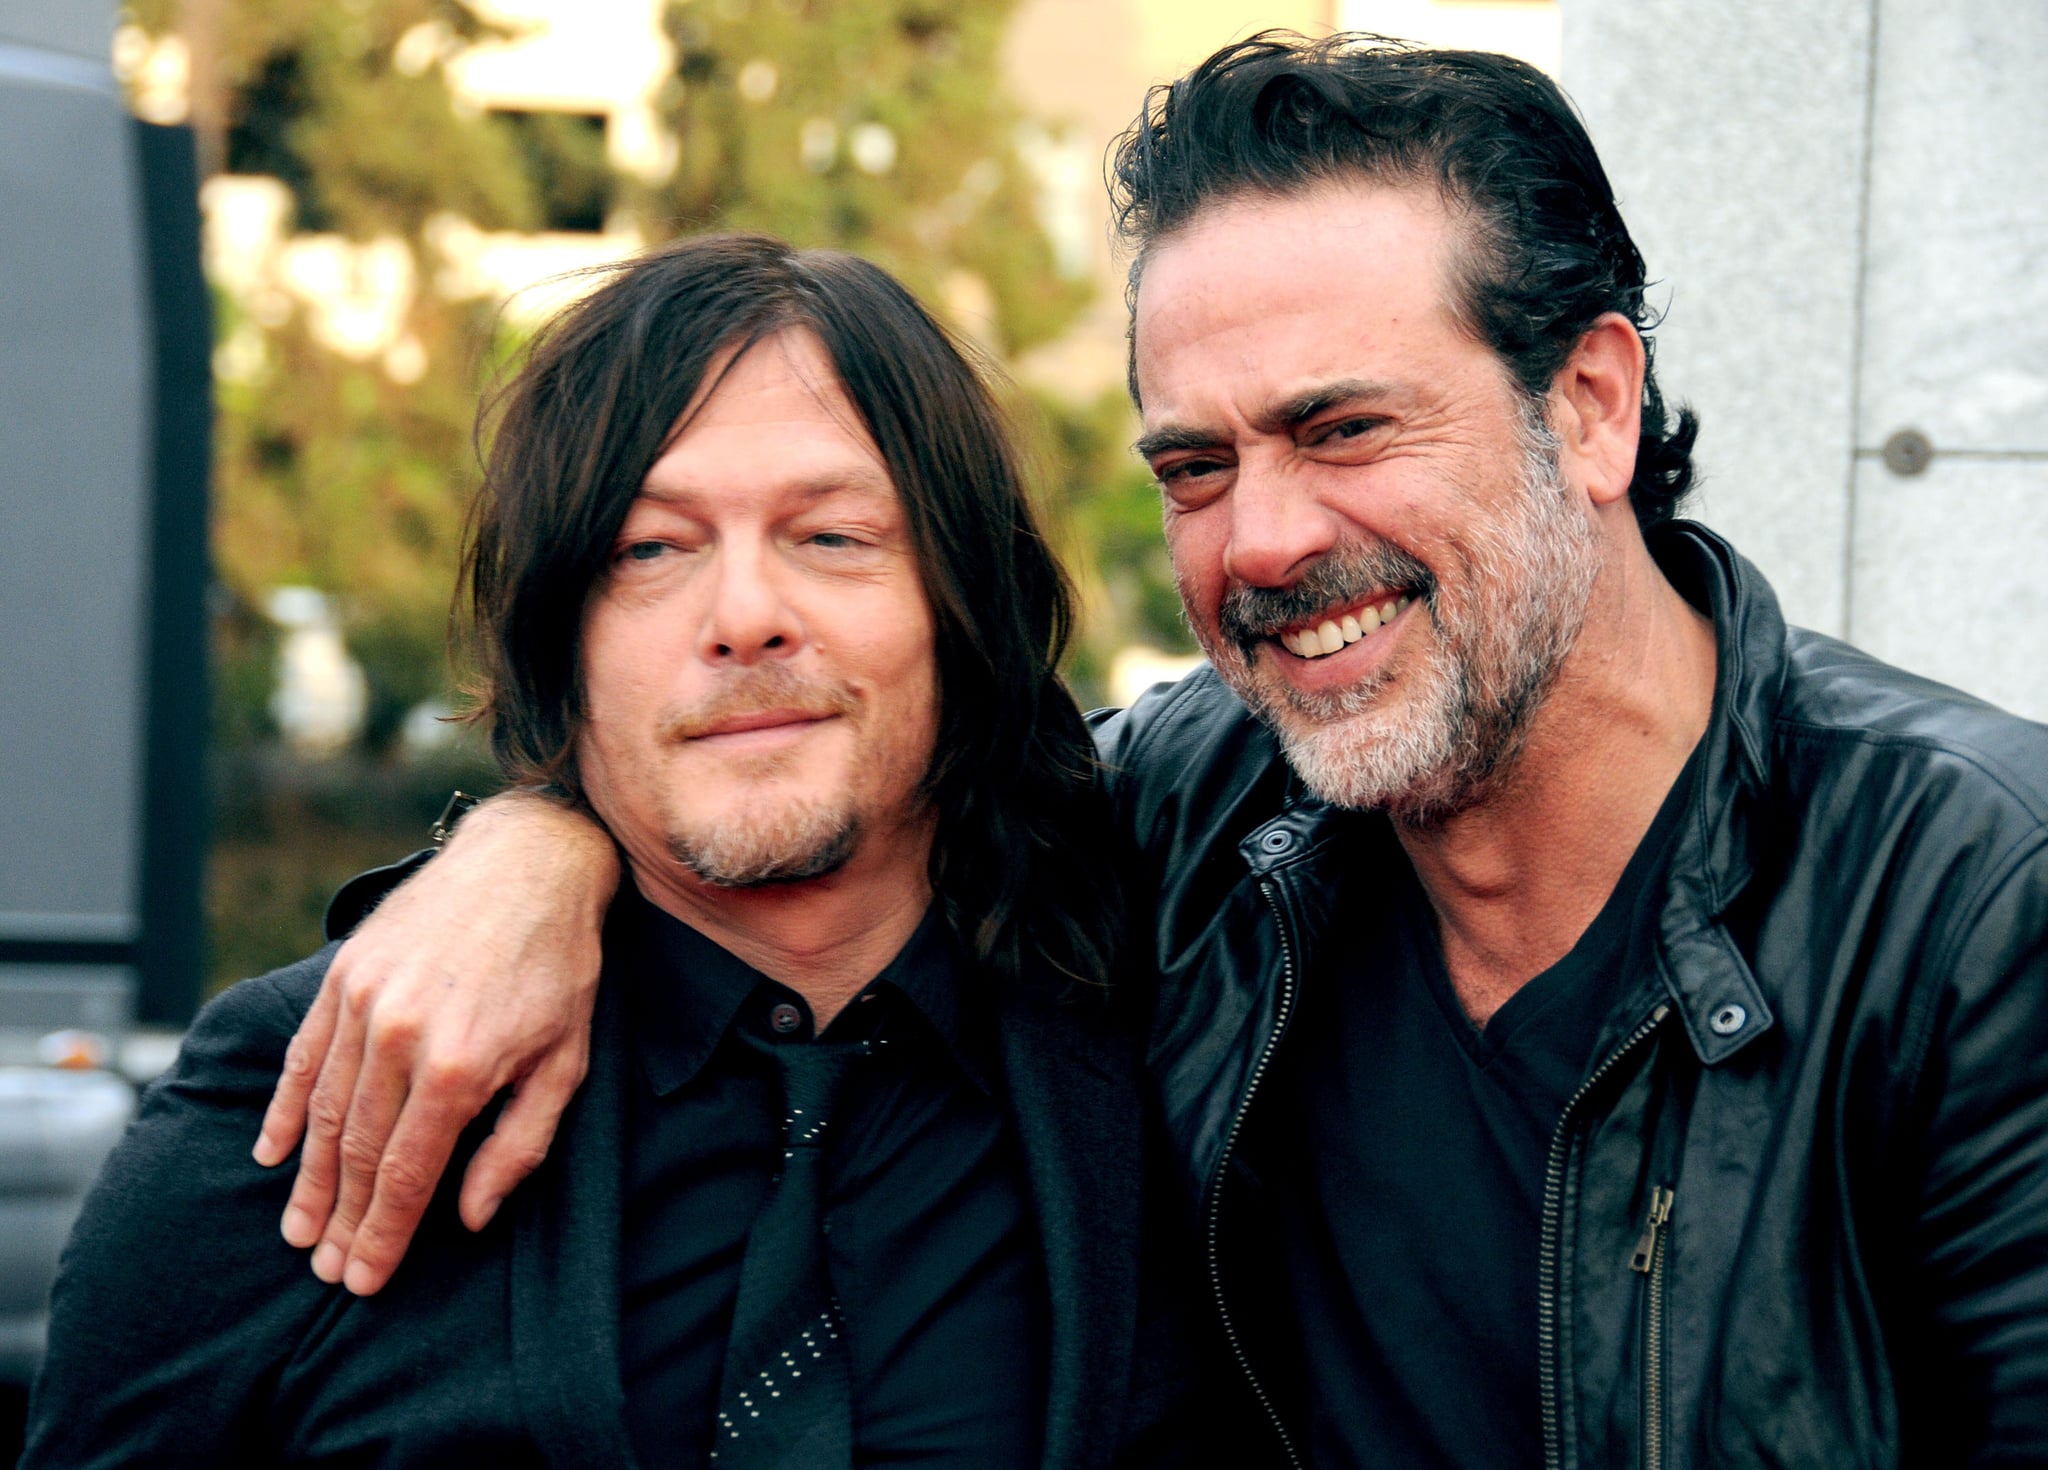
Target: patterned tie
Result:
[785, 1398]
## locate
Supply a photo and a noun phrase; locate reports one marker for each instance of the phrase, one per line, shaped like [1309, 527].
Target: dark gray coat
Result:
[185, 1331]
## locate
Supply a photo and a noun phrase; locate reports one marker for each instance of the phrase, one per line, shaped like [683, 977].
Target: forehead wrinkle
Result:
[862, 480]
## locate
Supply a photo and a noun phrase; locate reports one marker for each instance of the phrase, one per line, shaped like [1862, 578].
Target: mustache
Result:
[1251, 615]
[752, 691]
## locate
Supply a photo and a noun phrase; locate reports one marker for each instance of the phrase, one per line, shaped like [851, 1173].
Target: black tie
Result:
[785, 1398]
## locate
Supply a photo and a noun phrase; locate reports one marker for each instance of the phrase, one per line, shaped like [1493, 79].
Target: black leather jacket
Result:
[1797, 1215]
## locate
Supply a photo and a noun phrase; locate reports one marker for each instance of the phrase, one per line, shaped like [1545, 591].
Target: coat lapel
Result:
[1078, 1111]
[565, 1270]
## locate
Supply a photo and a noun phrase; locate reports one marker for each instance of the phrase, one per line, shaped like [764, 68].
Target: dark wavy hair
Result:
[1546, 252]
[1019, 865]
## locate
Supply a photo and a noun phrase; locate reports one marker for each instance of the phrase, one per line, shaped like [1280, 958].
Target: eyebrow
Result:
[1286, 414]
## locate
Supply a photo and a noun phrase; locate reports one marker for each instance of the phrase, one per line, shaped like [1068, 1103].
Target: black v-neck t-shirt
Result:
[1402, 1152]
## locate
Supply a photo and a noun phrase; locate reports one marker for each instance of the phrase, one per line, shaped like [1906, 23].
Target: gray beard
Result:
[797, 846]
[1473, 692]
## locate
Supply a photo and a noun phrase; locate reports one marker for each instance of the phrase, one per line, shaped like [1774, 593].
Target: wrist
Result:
[564, 848]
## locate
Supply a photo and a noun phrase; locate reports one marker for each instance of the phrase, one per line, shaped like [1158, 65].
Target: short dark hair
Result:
[1020, 863]
[1546, 250]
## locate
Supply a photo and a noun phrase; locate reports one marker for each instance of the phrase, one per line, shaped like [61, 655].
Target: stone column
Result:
[1847, 203]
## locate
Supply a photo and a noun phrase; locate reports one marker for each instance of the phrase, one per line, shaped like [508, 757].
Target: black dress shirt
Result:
[934, 1252]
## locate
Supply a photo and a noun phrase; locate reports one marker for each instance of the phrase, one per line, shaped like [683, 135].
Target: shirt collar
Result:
[685, 991]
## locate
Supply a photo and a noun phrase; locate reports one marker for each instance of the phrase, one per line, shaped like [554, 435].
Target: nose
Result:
[1276, 525]
[749, 617]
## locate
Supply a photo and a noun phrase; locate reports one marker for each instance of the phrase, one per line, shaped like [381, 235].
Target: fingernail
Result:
[490, 1213]
[360, 1278]
[266, 1153]
[328, 1261]
[299, 1227]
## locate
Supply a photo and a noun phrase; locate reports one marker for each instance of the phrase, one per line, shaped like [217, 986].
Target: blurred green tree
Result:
[877, 126]
[343, 474]
[1102, 506]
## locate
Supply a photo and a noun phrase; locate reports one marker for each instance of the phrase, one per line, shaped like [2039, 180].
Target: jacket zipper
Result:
[1286, 1010]
[1549, 1371]
[1649, 1260]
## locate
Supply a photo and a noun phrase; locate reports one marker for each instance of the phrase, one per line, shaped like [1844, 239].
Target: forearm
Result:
[544, 846]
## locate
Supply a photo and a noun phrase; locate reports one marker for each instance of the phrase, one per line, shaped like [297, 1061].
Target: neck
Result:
[1516, 879]
[824, 938]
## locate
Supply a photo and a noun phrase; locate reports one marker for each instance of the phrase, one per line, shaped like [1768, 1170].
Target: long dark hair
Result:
[1021, 862]
[1546, 251]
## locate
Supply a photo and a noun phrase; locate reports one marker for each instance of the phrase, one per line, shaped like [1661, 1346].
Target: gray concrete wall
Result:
[1847, 203]
[75, 403]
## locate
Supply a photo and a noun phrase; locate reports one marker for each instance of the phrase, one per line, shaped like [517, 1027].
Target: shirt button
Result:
[785, 1018]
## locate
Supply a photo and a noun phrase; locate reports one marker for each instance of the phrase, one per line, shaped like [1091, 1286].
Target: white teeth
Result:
[1332, 634]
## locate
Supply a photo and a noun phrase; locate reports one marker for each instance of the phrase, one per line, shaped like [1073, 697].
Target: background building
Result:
[1848, 202]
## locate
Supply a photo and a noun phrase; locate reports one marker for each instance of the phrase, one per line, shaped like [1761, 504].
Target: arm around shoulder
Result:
[476, 975]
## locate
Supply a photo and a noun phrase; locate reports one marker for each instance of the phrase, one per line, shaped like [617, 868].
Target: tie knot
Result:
[813, 1072]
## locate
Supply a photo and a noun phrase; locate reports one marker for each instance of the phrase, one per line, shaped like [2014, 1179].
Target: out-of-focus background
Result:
[390, 191]
[230, 502]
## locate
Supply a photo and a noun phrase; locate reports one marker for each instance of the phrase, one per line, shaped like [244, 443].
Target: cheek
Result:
[900, 663]
[629, 667]
[1195, 544]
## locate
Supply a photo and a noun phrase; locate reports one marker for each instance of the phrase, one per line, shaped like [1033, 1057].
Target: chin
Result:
[797, 844]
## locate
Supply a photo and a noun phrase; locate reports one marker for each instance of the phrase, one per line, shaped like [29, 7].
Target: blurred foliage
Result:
[1102, 510]
[876, 126]
[287, 834]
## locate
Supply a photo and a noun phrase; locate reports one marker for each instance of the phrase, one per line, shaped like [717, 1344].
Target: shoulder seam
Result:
[2034, 803]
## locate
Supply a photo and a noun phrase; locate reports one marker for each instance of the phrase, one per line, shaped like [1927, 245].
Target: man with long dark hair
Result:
[1596, 1023]
[859, 1172]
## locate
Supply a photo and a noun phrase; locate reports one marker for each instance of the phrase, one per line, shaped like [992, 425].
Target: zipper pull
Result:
[1660, 1213]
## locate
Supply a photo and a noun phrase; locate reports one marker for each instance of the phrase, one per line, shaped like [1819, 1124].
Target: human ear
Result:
[1596, 409]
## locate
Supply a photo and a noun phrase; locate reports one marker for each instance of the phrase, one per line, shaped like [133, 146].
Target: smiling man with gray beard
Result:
[1597, 1024]
[1476, 691]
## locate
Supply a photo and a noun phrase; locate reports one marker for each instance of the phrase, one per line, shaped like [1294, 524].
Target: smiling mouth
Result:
[1335, 630]
[759, 720]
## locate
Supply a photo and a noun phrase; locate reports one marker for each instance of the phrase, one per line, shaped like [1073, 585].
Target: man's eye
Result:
[1351, 428]
[643, 550]
[832, 540]
[1188, 469]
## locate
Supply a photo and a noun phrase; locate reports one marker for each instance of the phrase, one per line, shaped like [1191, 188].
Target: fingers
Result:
[525, 1130]
[380, 1095]
[327, 1106]
[410, 1165]
[285, 1119]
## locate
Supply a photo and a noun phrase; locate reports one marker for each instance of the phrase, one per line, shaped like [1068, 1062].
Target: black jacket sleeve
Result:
[177, 1302]
[1981, 1389]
